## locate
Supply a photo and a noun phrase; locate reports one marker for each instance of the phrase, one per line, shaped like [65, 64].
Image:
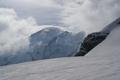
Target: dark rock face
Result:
[91, 41]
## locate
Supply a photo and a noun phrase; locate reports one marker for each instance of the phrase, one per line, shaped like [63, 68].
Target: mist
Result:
[14, 31]
[89, 15]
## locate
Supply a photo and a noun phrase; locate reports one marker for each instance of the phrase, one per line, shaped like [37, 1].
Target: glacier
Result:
[50, 42]
[102, 63]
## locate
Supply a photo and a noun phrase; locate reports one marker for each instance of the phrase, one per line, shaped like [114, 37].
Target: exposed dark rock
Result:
[91, 41]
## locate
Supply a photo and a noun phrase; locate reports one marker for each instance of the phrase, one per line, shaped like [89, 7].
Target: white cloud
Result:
[87, 15]
[90, 15]
[14, 30]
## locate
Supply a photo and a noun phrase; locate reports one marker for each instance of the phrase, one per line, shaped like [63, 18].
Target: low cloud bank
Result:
[90, 15]
[14, 31]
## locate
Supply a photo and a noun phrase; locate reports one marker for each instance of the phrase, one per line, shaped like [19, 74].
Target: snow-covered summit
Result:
[64, 45]
[45, 35]
[53, 42]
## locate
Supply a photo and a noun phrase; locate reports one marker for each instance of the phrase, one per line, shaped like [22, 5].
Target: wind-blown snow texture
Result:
[102, 63]
[47, 43]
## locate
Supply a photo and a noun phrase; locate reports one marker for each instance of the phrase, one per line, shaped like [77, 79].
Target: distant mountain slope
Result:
[102, 63]
[53, 42]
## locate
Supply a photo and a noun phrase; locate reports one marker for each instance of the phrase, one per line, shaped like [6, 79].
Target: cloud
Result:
[14, 31]
[87, 15]
[90, 15]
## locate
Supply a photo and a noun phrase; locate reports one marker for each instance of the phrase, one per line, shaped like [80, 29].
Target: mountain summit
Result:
[53, 43]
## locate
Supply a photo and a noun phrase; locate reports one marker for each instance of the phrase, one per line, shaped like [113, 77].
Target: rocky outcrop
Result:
[92, 40]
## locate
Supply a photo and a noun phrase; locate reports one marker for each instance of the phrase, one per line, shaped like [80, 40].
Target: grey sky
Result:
[46, 12]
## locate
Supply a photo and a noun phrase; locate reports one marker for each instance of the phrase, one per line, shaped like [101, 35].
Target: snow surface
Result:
[102, 63]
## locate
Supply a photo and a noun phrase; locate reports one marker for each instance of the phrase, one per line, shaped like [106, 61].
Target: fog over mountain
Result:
[14, 31]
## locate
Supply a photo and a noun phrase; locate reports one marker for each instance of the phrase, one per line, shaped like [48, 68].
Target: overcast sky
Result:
[87, 15]
[46, 12]
[90, 15]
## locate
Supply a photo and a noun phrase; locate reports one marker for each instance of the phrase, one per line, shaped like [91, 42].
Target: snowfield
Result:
[102, 63]
[63, 69]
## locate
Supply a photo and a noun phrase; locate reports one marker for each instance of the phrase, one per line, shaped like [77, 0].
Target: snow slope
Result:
[102, 63]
